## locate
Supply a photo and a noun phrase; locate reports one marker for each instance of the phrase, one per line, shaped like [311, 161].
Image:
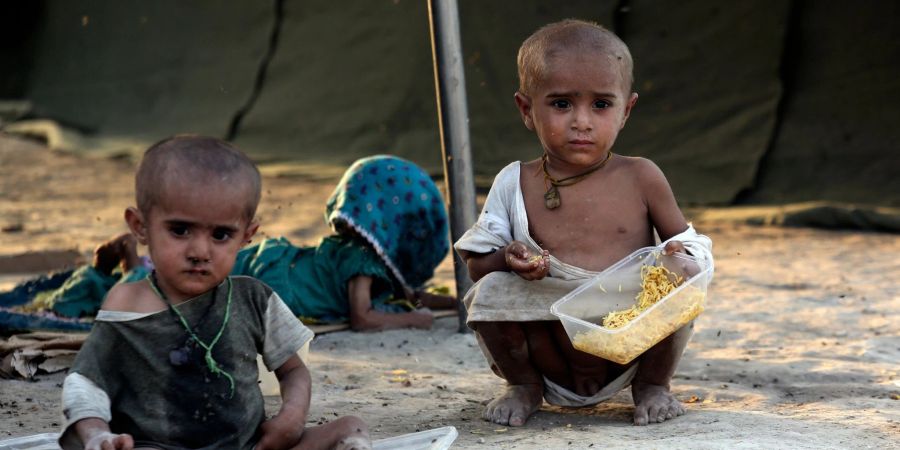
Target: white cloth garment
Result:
[504, 296]
[557, 395]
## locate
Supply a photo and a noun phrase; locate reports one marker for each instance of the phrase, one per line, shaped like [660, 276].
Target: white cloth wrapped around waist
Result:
[505, 296]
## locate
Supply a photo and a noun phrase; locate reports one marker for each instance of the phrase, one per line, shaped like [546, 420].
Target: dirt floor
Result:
[799, 346]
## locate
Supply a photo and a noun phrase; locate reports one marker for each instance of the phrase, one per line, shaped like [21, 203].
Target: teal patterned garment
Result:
[398, 209]
[313, 281]
[83, 292]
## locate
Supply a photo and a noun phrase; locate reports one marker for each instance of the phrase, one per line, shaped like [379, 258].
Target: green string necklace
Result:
[210, 361]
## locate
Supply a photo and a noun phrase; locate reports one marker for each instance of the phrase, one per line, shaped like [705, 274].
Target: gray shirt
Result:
[125, 375]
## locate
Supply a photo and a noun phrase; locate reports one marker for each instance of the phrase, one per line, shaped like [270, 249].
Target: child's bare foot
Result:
[654, 404]
[516, 405]
[121, 249]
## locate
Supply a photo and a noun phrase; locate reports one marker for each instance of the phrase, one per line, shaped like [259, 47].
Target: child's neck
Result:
[564, 173]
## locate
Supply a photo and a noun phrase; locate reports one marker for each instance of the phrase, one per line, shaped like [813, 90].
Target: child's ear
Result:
[523, 102]
[136, 224]
[628, 106]
[251, 231]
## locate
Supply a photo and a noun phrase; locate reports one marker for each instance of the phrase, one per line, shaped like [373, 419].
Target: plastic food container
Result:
[582, 310]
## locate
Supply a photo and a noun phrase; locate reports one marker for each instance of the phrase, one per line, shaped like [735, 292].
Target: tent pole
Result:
[453, 120]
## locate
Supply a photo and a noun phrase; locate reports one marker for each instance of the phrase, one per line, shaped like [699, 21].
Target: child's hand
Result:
[109, 441]
[689, 268]
[279, 432]
[525, 263]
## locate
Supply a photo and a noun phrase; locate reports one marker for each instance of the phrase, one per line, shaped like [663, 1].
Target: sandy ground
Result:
[799, 346]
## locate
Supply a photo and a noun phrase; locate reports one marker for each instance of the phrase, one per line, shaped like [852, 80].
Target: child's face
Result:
[193, 237]
[578, 109]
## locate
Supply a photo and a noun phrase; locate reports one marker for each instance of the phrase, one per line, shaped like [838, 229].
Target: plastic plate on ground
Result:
[45, 441]
[436, 439]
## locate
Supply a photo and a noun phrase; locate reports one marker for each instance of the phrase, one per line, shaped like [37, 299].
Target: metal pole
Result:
[453, 120]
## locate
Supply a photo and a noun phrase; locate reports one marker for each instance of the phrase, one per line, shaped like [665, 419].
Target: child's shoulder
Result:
[511, 169]
[506, 183]
[636, 163]
[640, 169]
[250, 287]
[508, 177]
[130, 297]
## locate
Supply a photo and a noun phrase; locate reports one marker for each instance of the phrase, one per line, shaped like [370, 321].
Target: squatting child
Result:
[550, 223]
[171, 360]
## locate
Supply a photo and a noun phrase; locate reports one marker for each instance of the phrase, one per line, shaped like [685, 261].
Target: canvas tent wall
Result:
[755, 101]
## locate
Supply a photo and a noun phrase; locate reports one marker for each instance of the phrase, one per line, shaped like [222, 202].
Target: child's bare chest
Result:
[597, 222]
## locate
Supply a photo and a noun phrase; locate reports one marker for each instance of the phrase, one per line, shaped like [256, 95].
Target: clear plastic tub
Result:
[582, 310]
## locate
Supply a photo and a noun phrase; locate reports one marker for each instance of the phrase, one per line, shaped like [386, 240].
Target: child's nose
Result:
[582, 120]
[198, 250]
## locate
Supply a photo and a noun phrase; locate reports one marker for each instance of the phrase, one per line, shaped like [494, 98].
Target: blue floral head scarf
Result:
[397, 208]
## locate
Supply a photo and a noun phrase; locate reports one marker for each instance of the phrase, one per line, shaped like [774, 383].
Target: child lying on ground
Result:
[551, 223]
[390, 234]
[171, 360]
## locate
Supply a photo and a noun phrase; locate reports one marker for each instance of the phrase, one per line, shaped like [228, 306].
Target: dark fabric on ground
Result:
[25, 292]
[15, 321]
[844, 216]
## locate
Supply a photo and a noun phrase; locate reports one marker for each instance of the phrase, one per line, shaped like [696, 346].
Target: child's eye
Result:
[560, 104]
[178, 230]
[601, 104]
[221, 235]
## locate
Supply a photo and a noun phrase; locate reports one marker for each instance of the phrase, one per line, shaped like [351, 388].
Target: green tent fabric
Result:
[348, 80]
[749, 102]
[145, 70]
[838, 136]
[357, 80]
[706, 73]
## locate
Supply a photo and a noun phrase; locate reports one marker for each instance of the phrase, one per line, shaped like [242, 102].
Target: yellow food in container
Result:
[653, 300]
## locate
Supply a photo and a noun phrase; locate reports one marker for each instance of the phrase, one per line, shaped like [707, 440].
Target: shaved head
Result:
[189, 160]
[537, 53]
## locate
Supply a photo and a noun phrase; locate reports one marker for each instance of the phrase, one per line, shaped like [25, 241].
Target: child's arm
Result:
[664, 213]
[87, 409]
[515, 257]
[284, 430]
[364, 318]
[95, 435]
